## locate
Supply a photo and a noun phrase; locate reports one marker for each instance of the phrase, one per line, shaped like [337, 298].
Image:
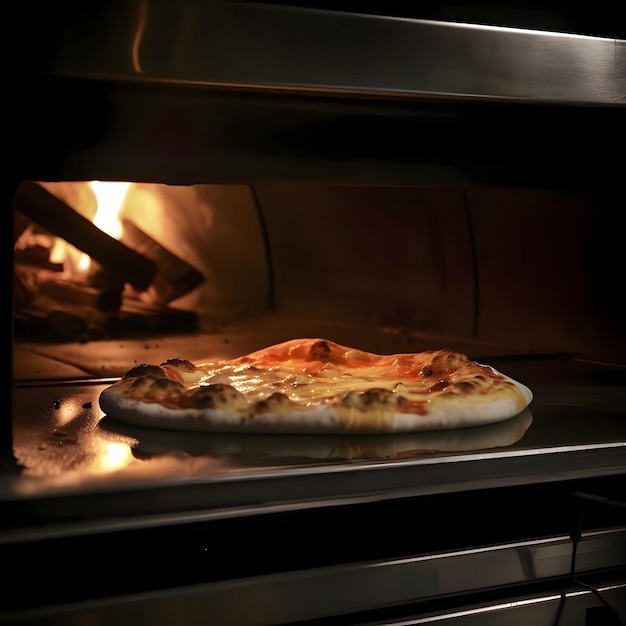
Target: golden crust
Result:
[358, 391]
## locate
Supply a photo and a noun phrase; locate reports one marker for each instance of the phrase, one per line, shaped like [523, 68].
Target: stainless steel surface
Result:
[579, 608]
[330, 591]
[261, 46]
[82, 472]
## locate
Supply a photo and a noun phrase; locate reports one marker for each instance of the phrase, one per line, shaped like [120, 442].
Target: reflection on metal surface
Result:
[116, 456]
[138, 36]
[59, 448]
[289, 597]
[282, 448]
[264, 46]
[528, 610]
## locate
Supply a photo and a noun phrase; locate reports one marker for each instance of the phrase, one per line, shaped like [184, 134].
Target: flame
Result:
[110, 198]
[65, 253]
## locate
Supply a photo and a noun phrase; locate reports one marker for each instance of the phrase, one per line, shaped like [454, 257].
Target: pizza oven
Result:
[204, 179]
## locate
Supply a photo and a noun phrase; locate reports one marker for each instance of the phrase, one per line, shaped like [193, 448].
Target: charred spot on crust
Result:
[166, 384]
[379, 396]
[278, 398]
[145, 370]
[371, 398]
[276, 401]
[143, 381]
[319, 351]
[216, 396]
[181, 364]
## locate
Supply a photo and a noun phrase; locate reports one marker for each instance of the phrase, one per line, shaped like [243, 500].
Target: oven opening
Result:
[211, 269]
[103, 260]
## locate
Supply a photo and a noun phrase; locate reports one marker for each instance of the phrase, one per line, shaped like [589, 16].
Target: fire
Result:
[110, 198]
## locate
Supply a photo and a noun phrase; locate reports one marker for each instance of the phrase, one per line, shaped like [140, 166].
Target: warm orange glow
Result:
[113, 456]
[110, 198]
[65, 414]
[65, 253]
[104, 213]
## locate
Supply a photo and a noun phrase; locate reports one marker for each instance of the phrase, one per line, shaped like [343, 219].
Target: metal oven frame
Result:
[254, 93]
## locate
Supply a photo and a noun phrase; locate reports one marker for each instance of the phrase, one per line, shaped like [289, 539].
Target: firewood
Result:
[106, 300]
[54, 325]
[58, 218]
[37, 256]
[174, 278]
[23, 289]
[143, 317]
[20, 224]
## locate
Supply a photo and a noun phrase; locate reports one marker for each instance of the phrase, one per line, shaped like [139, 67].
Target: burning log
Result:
[53, 324]
[20, 224]
[174, 278]
[106, 300]
[45, 209]
[141, 317]
[23, 292]
[44, 320]
[37, 256]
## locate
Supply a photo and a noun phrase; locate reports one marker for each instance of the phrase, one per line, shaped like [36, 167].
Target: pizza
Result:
[316, 386]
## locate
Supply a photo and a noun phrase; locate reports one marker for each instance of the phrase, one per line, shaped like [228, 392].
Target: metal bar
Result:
[259, 46]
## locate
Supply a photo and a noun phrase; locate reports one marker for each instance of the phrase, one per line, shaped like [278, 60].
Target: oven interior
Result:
[251, 216]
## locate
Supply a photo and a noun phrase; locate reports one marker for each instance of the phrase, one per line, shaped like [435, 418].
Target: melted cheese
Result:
[299, 385]
[312, 372]
[306, 374]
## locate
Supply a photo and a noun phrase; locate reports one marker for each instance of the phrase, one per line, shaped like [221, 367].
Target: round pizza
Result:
[316, 386]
